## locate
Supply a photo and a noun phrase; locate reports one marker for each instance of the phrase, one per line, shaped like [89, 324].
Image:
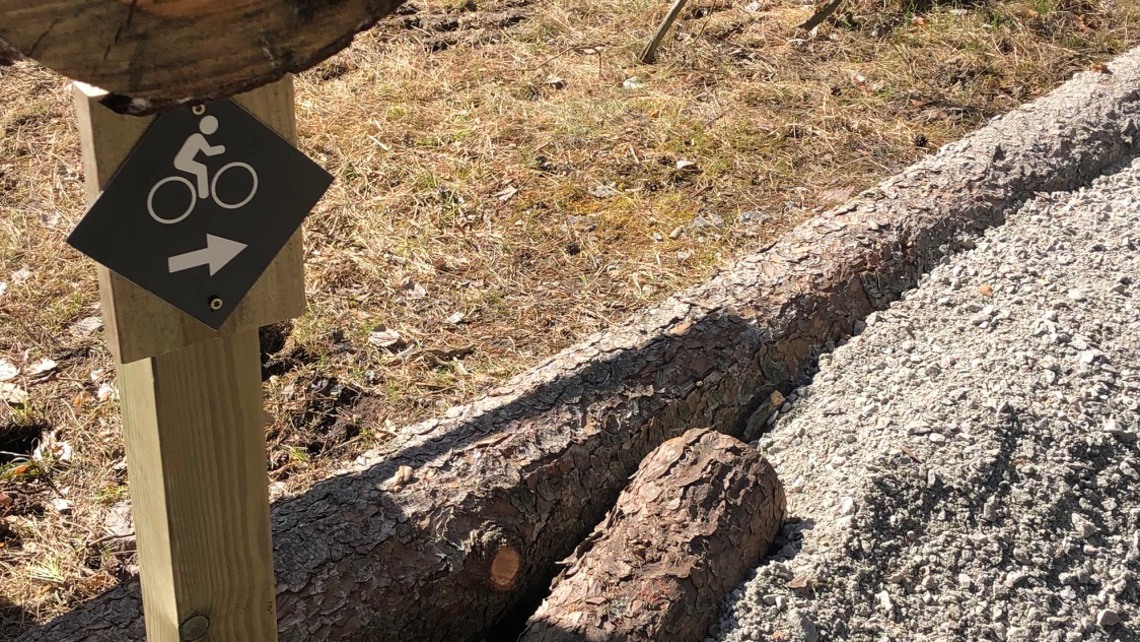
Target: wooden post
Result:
[196, 459]
[191, 401]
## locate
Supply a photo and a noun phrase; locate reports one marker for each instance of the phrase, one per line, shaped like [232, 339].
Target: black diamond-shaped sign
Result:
[200, 208]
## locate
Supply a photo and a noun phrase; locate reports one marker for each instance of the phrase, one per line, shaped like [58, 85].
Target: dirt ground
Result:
[508, 179]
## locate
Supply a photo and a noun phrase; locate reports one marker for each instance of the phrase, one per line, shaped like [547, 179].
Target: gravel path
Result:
[967, 468]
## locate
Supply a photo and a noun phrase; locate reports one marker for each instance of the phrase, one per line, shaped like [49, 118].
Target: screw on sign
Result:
[200, 208]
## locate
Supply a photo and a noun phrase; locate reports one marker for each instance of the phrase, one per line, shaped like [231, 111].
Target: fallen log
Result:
[695, 519]
[427, 552]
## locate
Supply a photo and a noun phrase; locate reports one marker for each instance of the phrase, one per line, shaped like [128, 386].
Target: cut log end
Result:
[197, 50]
[698, 514]
[505, 566]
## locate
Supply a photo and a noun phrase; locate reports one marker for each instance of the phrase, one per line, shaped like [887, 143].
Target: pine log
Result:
[698, 515]
[157, 54]
[418, 541]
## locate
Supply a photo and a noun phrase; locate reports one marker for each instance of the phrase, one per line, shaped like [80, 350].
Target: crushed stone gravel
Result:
[967, 467]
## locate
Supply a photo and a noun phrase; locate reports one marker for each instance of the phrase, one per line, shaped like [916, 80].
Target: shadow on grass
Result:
[645, 385]
[13, 619]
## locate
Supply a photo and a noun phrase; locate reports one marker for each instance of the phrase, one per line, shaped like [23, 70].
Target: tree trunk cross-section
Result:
[695, 519]
[157, 54]
[417, 542]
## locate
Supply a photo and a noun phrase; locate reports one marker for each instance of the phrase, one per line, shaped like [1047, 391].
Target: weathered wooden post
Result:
[195, 220]
[191, 400]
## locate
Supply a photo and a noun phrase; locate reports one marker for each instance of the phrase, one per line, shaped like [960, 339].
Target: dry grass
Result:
[507, 181]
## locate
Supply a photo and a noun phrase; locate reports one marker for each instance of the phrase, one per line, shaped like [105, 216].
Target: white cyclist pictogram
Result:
[203, 186]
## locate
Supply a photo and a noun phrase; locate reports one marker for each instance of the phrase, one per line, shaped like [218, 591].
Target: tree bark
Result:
[418, 541]
[157, 54]
[698, 515]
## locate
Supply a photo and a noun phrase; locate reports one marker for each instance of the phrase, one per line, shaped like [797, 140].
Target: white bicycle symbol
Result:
[207, 187]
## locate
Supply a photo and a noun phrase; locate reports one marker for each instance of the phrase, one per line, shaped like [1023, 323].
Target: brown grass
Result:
[507, 181]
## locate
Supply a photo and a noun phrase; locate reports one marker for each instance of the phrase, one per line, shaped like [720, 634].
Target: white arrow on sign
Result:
[217, 253]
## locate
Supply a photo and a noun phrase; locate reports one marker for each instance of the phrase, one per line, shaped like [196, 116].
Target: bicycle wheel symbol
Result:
[170, 218]
[242, 202]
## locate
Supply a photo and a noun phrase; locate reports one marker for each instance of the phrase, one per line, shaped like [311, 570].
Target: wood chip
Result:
[910, 453]
[681, 328]
[13, 395]
[800, 581]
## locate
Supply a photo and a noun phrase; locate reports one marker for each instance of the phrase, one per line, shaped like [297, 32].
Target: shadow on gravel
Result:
[929, 500]
[937, 508]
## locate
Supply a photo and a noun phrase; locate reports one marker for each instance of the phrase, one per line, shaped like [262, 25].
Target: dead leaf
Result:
[709, 219]
[86, 327]
[13, 395]
[777, 399]
[681, 328]
[607, 190]
[81, 400]
[404, 475]
[413, 290]
[507, 194]
[5, 500]
[8, 370]
[633, 83]
[106, 392]
[52, 449]
[384, 338]
[836, 194]
[910, 453]
[800, 581]
[61, 506]
[918, 21]
[42, 368]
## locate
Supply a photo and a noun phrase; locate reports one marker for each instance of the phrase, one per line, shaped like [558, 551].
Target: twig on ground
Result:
[650, 53]
[819, 16]
[110, 538]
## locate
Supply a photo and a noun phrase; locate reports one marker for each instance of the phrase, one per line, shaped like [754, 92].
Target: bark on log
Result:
[536, 463]
[158, 54]
[695, 519]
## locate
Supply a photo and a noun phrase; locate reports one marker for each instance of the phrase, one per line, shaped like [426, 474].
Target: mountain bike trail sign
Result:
[201, 207]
